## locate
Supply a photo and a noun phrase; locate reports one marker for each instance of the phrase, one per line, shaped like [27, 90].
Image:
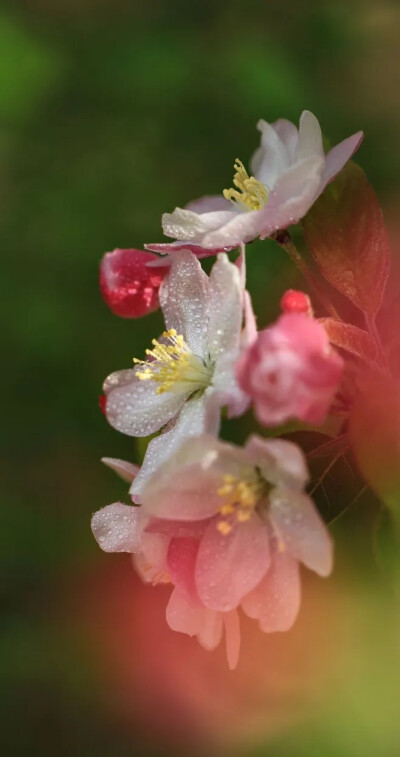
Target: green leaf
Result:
[347, 237]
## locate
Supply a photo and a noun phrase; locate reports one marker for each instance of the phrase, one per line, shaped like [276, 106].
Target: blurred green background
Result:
[111, 112]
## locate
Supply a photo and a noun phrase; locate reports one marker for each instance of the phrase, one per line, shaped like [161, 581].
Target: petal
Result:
[310, 138]
[179, 529]
[117, 528]
[189, 422]
[210, 634]
[230, 565]
[272, 158]
[288, 134]
[185, 487]
[182, 616]
[249, 334]
[126, 471]
[134, 407]
[225, 307]
[209, 203]
[299, 529]
[184, 300]
[339, 155]
[275, 602]
[224, 392]
[151, 561]
[280, 461]
[293, 194]
[232, 631]
[185, 224]
[181, 561]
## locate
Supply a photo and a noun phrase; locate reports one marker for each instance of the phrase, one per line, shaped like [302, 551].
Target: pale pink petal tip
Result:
[126, 471]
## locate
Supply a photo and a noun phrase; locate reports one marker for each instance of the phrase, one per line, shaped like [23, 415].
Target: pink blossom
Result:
[290, 371]
[288, 173]
[127, 283]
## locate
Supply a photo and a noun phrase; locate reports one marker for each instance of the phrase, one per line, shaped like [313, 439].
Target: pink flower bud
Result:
[290, 371]
[294, 301]
[128, 285]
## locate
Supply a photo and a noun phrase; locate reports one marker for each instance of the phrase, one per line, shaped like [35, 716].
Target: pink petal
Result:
[230, 565]
[232, 631]
[126, 471]
[299, 528]
[339, 155]
[275, 601]
[210, 634]
[127, 285]
[182, 616]
[181, 561]
[117, 528]
[151, 561]
[179, 529]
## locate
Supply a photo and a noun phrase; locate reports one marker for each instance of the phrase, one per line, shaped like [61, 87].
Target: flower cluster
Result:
[227, 526]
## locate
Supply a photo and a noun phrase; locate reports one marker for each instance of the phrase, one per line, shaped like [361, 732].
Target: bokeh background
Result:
[112, 111]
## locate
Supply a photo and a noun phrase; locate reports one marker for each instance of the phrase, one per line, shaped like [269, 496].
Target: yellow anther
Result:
[250, 192]
[224, 527]
[240, 496]
[173, 365]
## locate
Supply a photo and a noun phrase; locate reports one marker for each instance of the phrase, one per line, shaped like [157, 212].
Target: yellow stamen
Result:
[172, 364]
[241, 497]
[252, 193]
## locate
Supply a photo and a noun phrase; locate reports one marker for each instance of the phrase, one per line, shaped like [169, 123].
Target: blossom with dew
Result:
[189, 373]
[128, 284]
[288, 172]
[290, 371]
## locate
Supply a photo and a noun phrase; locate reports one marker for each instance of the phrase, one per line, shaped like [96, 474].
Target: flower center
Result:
[173, 366]
[250, 193]
[240, 496]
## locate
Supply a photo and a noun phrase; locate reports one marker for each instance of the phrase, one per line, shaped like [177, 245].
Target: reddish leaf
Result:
[350, 338]
[375, 437]
[347, 237]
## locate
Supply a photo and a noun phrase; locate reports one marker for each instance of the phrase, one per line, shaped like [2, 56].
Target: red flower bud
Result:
[128, 285]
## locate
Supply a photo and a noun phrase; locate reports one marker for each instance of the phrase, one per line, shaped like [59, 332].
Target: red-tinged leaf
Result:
[375, 438]
[347, 237]
[350, 338]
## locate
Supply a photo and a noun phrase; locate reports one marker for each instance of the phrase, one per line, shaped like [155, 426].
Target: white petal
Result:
[135, 408]
[189, 226]
[225, 307]
[118, 527]
[310, 138]
[209, 203]
[274, 159]
[190, 422]
[123, 469]
[299, 528]
[184, 300]
[293, 194]
[281, 461]
[288, 134]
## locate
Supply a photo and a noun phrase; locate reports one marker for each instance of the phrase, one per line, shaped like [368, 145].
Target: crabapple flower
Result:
[128, 285]
[288, 172]
[254, 524]
[290, 371]
[189, 374]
